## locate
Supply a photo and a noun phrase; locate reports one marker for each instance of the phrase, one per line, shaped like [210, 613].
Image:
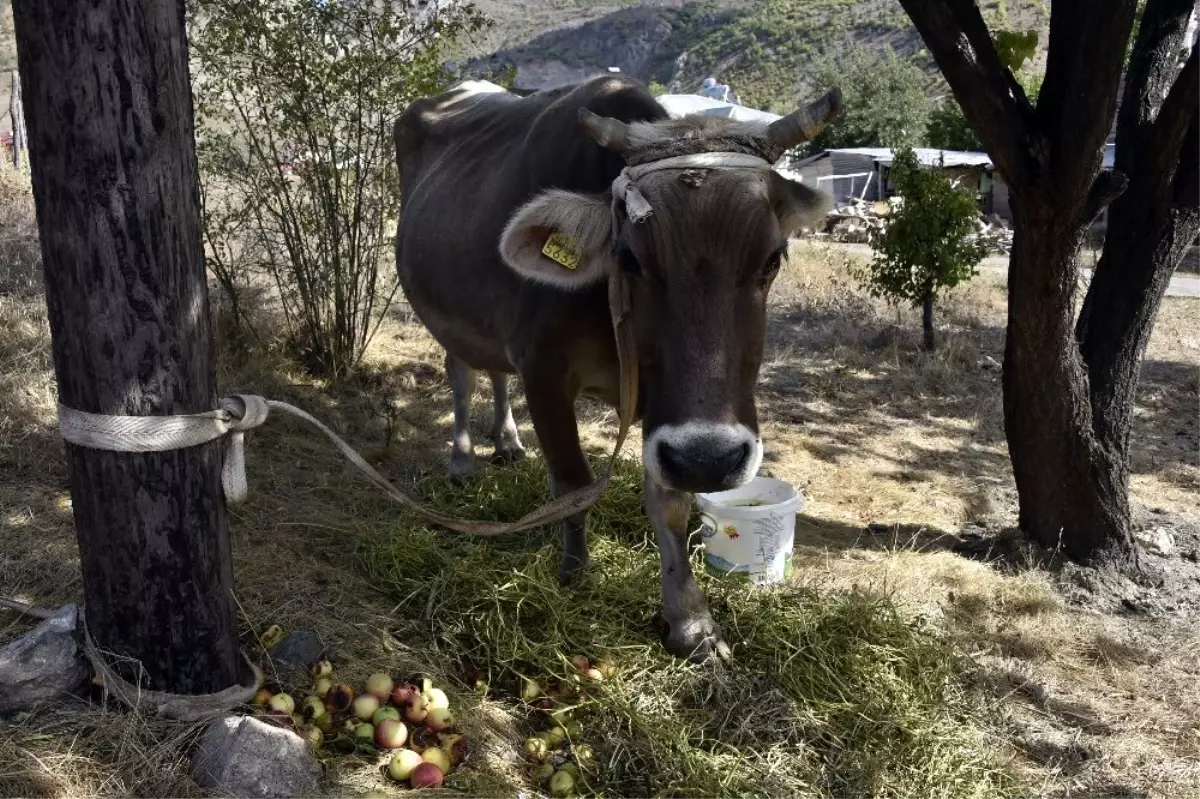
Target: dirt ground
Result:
[1093, 683]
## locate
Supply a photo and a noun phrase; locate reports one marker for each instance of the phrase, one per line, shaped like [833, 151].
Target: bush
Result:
[295, 105]
[20, 248]
[924, 249]
[885, 104]
[948, 128]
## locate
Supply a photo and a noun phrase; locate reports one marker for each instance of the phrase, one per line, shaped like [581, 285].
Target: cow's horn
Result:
[803, 124]
[609, 133]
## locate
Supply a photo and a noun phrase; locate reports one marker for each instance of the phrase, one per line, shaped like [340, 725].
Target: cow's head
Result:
[699, 270]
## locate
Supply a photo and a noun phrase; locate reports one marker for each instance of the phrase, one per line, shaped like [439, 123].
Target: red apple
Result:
[403, 693]
[426, 775]
[415, 711]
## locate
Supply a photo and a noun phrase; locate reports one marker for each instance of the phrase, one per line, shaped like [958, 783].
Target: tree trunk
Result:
[108, 105]
[1072, 490]
[927, 320]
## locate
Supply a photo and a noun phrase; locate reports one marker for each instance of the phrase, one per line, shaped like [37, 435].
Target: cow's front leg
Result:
[691, 631]
[552, 406]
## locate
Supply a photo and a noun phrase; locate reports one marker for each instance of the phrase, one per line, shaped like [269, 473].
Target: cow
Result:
[488, 178]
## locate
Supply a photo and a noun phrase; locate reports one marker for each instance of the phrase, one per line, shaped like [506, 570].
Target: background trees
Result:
[885, 104]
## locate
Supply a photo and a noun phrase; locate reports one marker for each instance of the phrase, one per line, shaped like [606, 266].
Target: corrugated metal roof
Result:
[681, 105]
[930, 157]
[926, 156]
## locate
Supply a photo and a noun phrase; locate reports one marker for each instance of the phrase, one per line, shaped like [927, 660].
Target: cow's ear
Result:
[798, 206]
[560, 238]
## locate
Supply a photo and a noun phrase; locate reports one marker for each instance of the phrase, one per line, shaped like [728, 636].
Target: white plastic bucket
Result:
[751, 541]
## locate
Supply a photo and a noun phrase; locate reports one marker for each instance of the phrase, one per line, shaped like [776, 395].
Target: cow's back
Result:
[469, 159]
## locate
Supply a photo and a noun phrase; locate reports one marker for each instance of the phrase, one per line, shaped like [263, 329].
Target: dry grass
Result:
[20, 256]
[1077, 702]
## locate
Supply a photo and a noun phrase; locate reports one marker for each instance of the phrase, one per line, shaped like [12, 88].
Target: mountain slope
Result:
[765, 49]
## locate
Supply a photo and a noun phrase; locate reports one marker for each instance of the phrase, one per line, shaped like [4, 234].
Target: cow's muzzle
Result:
[702, 456]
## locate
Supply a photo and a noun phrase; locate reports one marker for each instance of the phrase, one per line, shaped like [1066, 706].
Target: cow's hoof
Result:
[461, 469]
[571, 566]
[695, 637]
[507, 454]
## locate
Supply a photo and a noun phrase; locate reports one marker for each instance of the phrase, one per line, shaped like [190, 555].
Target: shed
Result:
[862, 172]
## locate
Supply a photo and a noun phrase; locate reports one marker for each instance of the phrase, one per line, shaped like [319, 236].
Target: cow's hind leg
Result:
[504, 427]
[462, 384]
[552, 406]
[691, 631]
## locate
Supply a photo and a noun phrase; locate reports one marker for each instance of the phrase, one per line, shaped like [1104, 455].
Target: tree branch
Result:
[1078, 99]
[1107, 187]
[992, 101]
[1179, 109]
[1161, 97]
[1185, 191]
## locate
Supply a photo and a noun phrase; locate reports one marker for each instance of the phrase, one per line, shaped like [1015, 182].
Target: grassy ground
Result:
[888, 666]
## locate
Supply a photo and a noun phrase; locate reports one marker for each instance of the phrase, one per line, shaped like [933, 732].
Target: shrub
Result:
[924, 249]
[295, 105]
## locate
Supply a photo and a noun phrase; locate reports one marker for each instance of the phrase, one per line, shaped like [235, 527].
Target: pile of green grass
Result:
[828, 693]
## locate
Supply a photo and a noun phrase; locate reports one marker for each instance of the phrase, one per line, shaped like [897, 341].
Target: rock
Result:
[1157, 540]
[42, 664]
[241, 756]
[297, 650]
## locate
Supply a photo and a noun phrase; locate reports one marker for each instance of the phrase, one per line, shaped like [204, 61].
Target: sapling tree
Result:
[296, 100]
[924, 249]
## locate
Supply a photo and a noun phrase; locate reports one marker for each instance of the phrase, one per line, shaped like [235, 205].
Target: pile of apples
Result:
[387, 714]
[558, 754]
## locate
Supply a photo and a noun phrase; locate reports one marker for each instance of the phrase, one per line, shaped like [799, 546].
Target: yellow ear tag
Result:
[560, 249]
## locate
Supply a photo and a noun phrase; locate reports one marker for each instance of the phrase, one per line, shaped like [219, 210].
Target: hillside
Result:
[763, 48]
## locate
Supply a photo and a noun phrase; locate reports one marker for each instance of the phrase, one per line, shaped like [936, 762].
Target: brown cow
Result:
[488, 177]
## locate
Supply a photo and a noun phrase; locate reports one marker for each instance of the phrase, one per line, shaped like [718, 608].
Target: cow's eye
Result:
[628, 262]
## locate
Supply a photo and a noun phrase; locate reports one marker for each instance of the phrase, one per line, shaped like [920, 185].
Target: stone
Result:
[241, 756]
[43, 664]
[1157, 540]
[297, 650]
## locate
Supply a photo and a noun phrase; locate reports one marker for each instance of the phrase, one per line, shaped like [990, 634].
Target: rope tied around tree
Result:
[243, 412]
[237, 414]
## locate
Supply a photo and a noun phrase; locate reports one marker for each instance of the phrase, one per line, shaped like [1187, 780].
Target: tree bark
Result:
[108, 104]
[1150, 227]
[1070, 491]
[927, 321]
[1072, 484]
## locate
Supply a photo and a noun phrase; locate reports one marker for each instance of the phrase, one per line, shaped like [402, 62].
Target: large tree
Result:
[109, 113]
[1068, 388]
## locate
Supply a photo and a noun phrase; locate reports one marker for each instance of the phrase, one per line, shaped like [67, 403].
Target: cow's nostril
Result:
[669, 457]
[706, 460]
[732, 459]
